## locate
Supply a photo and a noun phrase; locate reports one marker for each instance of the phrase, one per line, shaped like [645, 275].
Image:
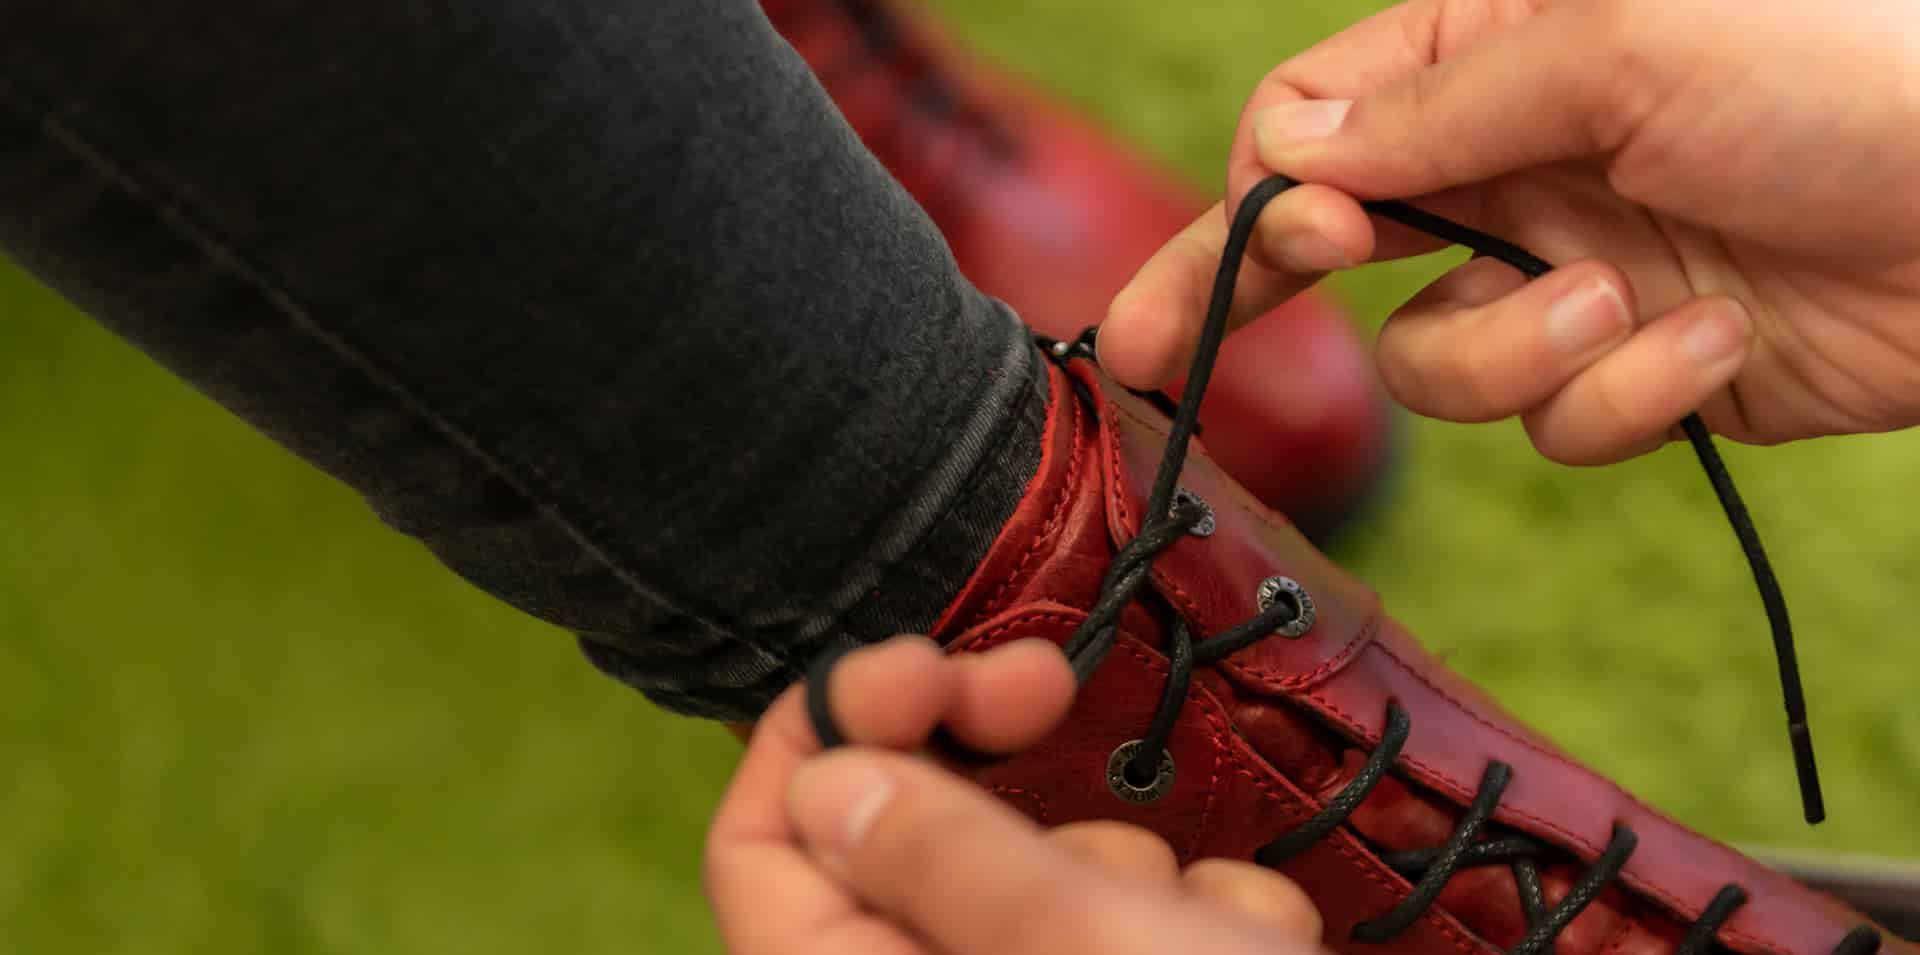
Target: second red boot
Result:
[1054, 217]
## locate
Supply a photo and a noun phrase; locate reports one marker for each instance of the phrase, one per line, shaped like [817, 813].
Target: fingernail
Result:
[1294, 123]
[1717, 334]
[834, 800]
[1587, 316]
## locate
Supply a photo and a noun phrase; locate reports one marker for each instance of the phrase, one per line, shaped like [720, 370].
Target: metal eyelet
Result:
[1123, 787]
[1289, 590]
[1206, 525]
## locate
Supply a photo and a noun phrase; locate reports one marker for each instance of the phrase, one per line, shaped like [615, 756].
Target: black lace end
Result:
[1811, 802]
[1774, 601]
[819, 708]
[1863, 940]
[943, 744]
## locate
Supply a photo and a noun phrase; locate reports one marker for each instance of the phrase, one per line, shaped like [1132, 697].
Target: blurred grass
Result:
[237, 715]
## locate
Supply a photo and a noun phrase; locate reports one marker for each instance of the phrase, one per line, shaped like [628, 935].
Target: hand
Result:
[867, 849]
[1732, 191]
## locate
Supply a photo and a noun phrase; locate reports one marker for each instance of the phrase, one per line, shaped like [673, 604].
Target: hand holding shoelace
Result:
[869, 849]
[1731, 192]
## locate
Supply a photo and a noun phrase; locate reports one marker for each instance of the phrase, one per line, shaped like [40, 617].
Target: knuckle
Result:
[1278, 85]
[1617, 84]
[1425, 90]
[1422, 98]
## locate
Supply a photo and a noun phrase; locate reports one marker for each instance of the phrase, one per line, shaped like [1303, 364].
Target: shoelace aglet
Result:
[1810, 799]
[1774, 600]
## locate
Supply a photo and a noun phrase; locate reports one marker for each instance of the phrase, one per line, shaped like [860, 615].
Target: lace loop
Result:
[1446, 861]
[1539, 938]
[1504, 849]
[1276, 853]
[1716, 914]
[1173, 696]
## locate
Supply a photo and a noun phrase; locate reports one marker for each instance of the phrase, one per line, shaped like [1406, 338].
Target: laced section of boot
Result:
[1288, 615]
[1171, 518]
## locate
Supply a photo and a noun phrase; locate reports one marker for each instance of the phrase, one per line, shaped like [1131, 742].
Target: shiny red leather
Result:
[1269, 733]
[1054, 217]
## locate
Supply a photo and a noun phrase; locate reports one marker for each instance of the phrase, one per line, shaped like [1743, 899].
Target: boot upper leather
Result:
[1269, 733]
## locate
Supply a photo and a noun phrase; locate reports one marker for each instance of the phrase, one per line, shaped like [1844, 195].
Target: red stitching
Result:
[1179, 594]
[1214, 714]
[965, 644]
[1446, 784]
[1437, 779]
[1365, 635]
[1030, 794]
[1442, 781]
[1463, 708]
[1119, 471]
[1662, 895]
[1371, 628]
[1191, 606]
[1501, 731]
[1241, 496]
[1054, 517]
[1345, 843]
[1220, 731]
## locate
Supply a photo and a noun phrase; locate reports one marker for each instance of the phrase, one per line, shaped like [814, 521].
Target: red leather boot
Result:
[1311, 732]
[1054, 217]
[1243, 697]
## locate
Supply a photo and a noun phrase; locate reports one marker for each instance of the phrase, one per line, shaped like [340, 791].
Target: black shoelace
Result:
[1173, 514]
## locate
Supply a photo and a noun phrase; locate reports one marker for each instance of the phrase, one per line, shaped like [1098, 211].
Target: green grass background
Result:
[237, 715]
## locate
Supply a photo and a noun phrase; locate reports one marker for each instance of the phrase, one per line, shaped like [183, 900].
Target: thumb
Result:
[1542, 91]
[951, 865]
